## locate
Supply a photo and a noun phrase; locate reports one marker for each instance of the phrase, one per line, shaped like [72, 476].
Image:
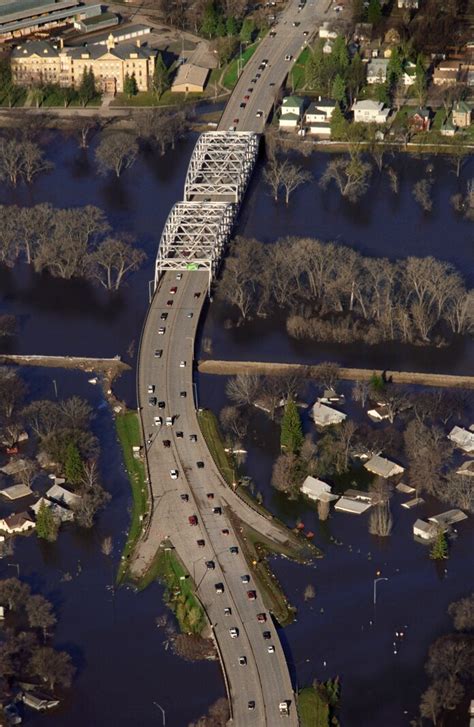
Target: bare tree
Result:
[53, 667]
[12, 392]
[422, 194]
[361, 392]
[351, 176]
[462, 613]
[234, 422]
[284, 474]
[34, 161]
[40, 614]
[84, 127]
[112, 260]
[459, 491]
[243, 388]
[380, 520]
[327, 374]
[309, 592]
[13, 593]
[116, 152]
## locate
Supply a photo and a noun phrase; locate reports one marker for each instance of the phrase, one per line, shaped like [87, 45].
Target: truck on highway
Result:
[284, 708]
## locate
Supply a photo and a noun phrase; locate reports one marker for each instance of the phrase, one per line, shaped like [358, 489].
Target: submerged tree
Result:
[291, 435]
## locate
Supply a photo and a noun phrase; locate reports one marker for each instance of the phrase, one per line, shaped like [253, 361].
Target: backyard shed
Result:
[383, 467]
[317, 490]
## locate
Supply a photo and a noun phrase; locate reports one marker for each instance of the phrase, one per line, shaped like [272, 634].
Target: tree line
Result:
[331, 292]
[26, 653]
[67, 243]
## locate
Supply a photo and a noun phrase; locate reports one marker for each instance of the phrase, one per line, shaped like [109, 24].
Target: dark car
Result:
[166, 443]
[233, 549]
[197, 295]
[200, 465]
[219, 587]
[152, 400]
[192, 519]
[184, 497]
[161, 405]
[163, 316]
[169, 303]
[266, 635]
[182, 394]
[217, 510]
[210, 495]
[201, 543]
[243, 105]
[210, 564]
[180, 435]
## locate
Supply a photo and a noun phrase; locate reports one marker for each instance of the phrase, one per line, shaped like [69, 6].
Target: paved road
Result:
[265, 679]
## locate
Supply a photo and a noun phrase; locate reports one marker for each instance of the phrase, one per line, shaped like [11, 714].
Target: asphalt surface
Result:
[264, 679]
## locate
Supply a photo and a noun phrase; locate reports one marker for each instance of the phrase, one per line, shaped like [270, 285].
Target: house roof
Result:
[63, 496]
[367, 105]
[461, 107]
[17, 519]
[289, 117]
[450, 517]
[423, 526]
[463, 438]
[383, 467]
[317, 489]
[448, 125]
[191, 74]
[421, 111]
[16, 491]
[326, 415]
[292, 101]
[41, 48]
[467, 468]
[344, 504]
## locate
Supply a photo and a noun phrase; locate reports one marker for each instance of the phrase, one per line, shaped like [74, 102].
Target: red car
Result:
[246, 98]
[169, 303]
[225, 531]
[261, 617]
[251, 595]
[192, 520]
[236, 121]
[173, 290]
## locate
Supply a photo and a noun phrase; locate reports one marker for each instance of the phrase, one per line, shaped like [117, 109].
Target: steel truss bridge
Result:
[198, 228]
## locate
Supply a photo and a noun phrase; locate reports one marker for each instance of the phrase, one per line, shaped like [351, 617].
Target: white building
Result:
[462, 438]
[424, 530]
[408, 4]
[317, 490]
[325, 31]
[370, 112]
[383, 467]
[326, 416]
[377, 70]
[16, 524]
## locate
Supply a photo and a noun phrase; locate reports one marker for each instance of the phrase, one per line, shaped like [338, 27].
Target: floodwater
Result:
[123, 667]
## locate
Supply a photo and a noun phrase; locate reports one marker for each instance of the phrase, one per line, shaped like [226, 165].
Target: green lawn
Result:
[298, 72]
[179, 595]
[230, 76]
[313, 712]
[148, 98]
[128, 430]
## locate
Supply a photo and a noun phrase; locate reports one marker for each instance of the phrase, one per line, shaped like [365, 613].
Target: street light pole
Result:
[163, 713]
[377, 580]
[15, 565]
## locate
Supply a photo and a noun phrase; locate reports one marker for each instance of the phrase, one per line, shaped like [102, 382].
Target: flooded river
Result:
[123, 666]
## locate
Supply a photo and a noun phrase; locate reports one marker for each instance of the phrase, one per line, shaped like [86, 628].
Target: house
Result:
[322, 130]
[379, 413]
[325, 31]
[317, 490]
[420, 119]
[15, 492]
[377, 70]
[190, 79]
[406, 489]
[63, 496]
[466, 469]
[361, 496]
[408, 76]
[462, 438]
[292, 105]
[363, 32]
[62, 514]
[17, 523]
[370, 112]
[462, 114]
[424, 531]
[326, 416]
[354, 507]
[447, 127]
[289, 121]
[40, 704]
[445, 519]
[408, 4]
[318, 116]
[331, 397]
[14, 466]
[447, 73]
[383, 467]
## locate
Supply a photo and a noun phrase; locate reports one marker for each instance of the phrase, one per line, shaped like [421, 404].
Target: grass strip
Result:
[312, 710]
[231, 75]
[128, 431]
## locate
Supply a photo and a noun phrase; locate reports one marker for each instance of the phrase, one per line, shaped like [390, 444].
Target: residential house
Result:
[363, 32]
[354, 507]
[16, 492]
[63, 496]
[326, 416]
[466, 469]
[462, 114]
[377, 70]
[62, 514]
[318, 116]
[424, 531]
[291, 112]
[317, 490]
[190, 79]
[449, 517]
[379, 413]
[370, 112]
[326, 31]
[420, 119]
[408, 76]
[330, 396]
[447, 73]
[17, 523]
[383, 467]
[447, 127]
[408, 4]
[462, 438]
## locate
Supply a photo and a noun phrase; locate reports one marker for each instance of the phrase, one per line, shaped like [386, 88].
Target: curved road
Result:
[255, 688]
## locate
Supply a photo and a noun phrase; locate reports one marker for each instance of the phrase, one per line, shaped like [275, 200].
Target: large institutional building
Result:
[38, 62]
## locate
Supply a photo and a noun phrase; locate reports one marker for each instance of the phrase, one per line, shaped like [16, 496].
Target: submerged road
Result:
[186, 485]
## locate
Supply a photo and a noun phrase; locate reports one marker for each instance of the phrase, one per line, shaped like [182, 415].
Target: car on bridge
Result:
[192, 520]
[169, 303]
[210, 564]
[271, 649]
[158, 421]
[152, 401]
[261, 618]
[242, 660]
[184, 497]
[163, 316]
[200, 465]
[151, 388]
[219, 587]
[251, 705]
[259, 114]
[234, 632]
[161, 331]
[233, 549]
[182, 364]
[169, 421]
[217, 510]
[251, 595]
[182, 394]
[245, 579]
[166, 443]
[158, 352]
[174, 290]
[227, 611]
[266, 635]
[161, 405]
[174, 474]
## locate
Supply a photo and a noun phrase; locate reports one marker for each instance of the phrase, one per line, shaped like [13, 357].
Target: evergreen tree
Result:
[338, 124]
[359, 12]
[340, 54]
[291, 435]
[247, 31]
[382, 93]
[231, 26]
[87, 87]
[419, 87]
[439, 550]
[130, 85]
[355, 76]
[47, 526]
[161, 76]
[338, 91]
[394, 68]
[73, 467]
[210, 19]
[374, 12]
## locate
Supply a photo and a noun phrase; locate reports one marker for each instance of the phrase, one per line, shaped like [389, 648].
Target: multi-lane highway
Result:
[186, 485]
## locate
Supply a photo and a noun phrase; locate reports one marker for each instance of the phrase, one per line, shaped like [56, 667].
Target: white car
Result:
[174, 474]
[169, 421]
[288, 57]
[161, 331]
[259, 114]
[190, 315]
[234, 632]
[232, 128]
[151, 388]
[179, 276]
[271, 649]
[182, 364]
[158, 421]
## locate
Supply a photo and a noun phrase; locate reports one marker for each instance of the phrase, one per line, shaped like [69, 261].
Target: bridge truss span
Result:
[221, 165]
[194, 237]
